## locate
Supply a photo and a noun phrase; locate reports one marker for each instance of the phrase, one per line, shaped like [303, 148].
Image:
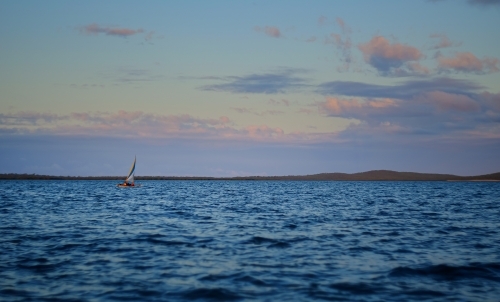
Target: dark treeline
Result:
[377, 175]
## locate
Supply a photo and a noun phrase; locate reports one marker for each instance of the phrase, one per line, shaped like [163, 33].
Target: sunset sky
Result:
[228, 88]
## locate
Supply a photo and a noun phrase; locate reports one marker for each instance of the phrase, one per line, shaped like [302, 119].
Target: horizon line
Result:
[366, 175]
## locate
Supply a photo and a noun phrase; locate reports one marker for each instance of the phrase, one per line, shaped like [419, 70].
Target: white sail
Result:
[130, 176]
[130, 179]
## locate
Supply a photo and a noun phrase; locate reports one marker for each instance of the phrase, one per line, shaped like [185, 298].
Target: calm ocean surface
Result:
[249, 240]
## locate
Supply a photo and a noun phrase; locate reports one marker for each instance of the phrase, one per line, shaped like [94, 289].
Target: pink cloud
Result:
[136, 124]
[380, 47]
[343, 44]
[121, 123]
[444, 101]
[29, 118]
[340, 22]
[264, 131]
[122, 32]
[249, 111]
[92, 29]
[241, 110]
[224, 120]
[443, 41]
[428, 112]
[339, 41]
[467, 62]
[334, 106]
[343, 25]
[384, 56]
[271, 31]
[322, 20]
[437, 103]
[79, 116]
[416, 68]
[95, 29]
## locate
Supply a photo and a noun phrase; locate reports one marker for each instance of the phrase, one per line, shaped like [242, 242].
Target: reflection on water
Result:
[257, 240]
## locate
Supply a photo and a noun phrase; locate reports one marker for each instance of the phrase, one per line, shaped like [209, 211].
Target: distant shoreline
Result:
[375, 175]
[485, 180]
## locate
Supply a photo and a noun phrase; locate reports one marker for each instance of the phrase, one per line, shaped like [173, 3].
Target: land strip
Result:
[375, 175]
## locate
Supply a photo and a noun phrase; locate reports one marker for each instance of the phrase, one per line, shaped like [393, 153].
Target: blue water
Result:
[249, 240]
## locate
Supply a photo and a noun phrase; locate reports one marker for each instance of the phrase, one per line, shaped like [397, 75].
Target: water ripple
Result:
[249, 240]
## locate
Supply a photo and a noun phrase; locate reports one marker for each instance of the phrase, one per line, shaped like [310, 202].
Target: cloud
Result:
[130, 75]
[268, 83]
[443, 41]
[484, 2]
[126, 75]
[415, 68]
[476, 2]
[271, 31]
[405, 90]
[250, 111]
[445, 102]
[388, 58]
[343, 44]
[343, 26]
[272, 112]
[431, 115]
[492, 100]
[440, 107]
[322, 20]
[306, 111]
[138, 124]
[241, 110]
[354, 108]
[29, 118]
[119, 124]
[149, 36]
[468, 63]
[264, 131]
[279, 102]
[95, 29]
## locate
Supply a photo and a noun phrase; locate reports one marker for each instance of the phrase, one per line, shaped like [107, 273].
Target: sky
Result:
[237, 88]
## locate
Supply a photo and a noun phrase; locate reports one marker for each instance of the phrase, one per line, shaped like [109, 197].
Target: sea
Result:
[249, 241]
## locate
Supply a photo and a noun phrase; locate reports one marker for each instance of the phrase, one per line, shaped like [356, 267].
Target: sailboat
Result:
[129, 181]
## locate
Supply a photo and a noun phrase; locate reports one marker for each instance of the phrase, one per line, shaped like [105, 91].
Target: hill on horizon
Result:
[373, 175]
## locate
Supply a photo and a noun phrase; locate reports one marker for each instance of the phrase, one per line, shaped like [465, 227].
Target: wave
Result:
[271, 243]
[357, 288]
[214, 294]
[490, 271]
